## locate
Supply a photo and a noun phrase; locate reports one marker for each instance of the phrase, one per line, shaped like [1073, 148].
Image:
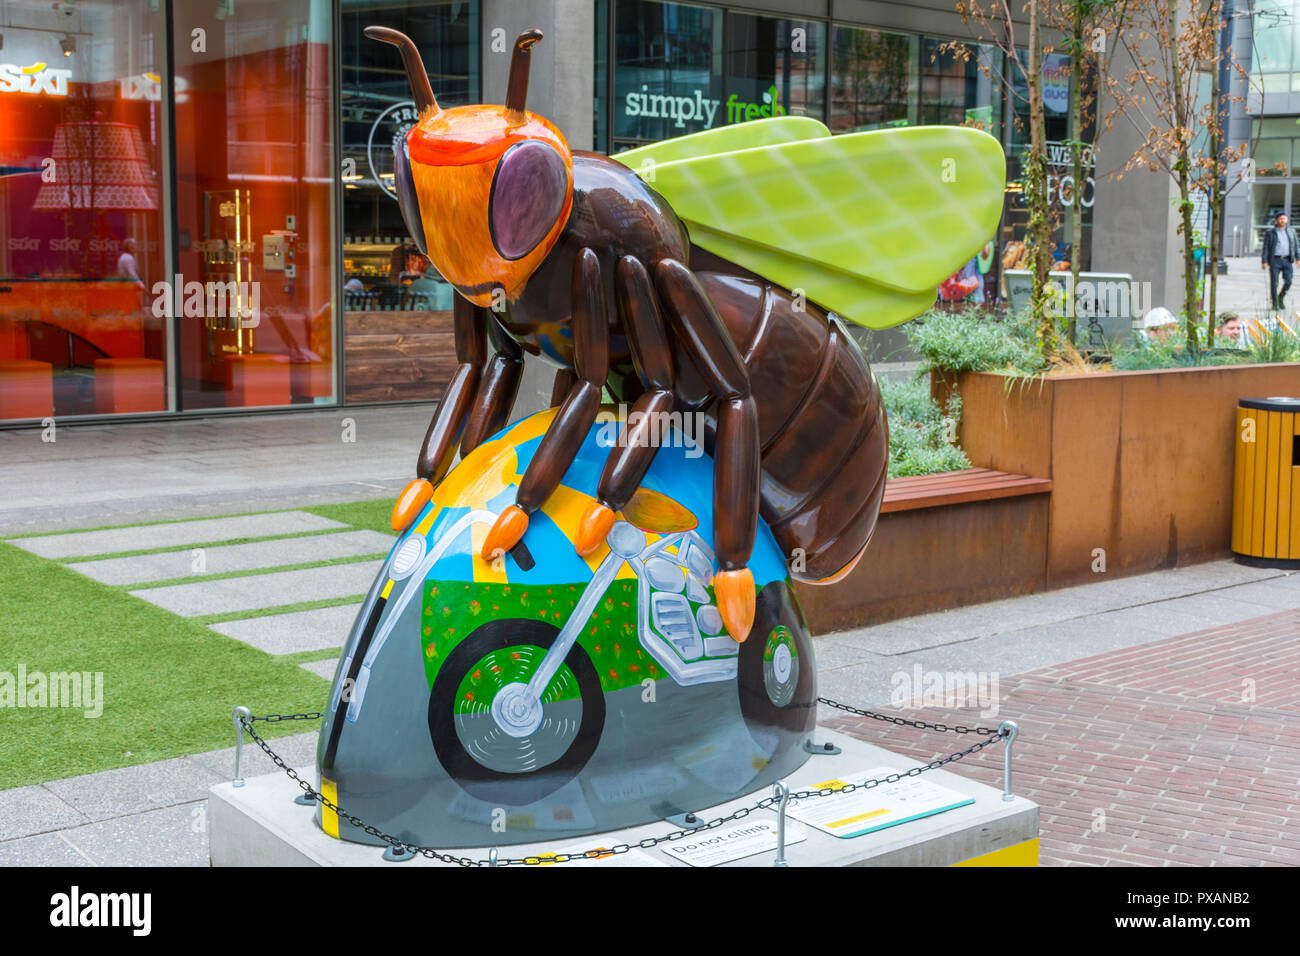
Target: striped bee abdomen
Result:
[822, 427]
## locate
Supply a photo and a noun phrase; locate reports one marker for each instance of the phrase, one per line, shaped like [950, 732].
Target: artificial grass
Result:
[249, 572]
[375, 515]
[169, 684]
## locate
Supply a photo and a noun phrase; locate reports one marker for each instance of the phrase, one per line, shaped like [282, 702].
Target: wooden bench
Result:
[958, 487]
[944, 540]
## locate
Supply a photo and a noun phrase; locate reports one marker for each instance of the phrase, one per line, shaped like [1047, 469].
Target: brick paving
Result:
[1183, 751]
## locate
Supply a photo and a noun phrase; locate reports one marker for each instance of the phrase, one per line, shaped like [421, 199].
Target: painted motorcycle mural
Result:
[547, 694]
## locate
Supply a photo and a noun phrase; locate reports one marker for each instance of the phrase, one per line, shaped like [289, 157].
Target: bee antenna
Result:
[520, 61]
[415, 71]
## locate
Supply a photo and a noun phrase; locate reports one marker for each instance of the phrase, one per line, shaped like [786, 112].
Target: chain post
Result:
[1008, 729]
[239, 715]
[492, 856]
[782, 794]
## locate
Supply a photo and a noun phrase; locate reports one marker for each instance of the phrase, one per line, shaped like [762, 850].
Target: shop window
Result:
[873, 79]
[81, 214]
[667, 71]
[254, 204]
[680, 69]
[773, 68]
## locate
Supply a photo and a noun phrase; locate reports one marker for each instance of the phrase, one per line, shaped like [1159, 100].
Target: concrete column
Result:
[1134, 226]
[562, 84]
[561, 87]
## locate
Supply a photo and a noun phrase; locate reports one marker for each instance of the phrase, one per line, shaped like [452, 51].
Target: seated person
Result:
[1228, 334]
[1157, 324]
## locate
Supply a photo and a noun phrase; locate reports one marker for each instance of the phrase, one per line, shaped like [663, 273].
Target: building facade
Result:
[1263, 120]
[197, 210]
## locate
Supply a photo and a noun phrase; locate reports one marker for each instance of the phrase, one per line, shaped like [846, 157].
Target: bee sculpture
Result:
[705, 274]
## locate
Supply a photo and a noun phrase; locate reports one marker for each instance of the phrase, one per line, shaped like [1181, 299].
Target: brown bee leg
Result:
[628, 463]
[496, 393]
[565, 379]
[445, 429]
[573, 421]
[736, 450]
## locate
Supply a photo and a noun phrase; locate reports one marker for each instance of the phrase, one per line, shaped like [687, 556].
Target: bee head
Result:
[485, 190]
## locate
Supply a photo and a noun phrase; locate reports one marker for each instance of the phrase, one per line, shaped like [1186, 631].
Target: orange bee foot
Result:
[736, 599]
[595, 524]
[410, 503]
[505, 534]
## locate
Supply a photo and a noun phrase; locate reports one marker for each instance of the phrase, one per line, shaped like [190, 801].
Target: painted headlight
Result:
[409, 554]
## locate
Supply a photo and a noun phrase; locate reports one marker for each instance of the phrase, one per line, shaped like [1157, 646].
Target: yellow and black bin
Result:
[1266, 483]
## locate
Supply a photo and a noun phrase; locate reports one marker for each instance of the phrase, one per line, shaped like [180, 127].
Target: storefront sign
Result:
[1056, 82]
[696, 108]
[34, 80]
[389, 130]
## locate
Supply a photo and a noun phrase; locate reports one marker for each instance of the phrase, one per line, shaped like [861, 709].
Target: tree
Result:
[1167, 50]
[1218, 161]
[1086, 25]
[992, 23]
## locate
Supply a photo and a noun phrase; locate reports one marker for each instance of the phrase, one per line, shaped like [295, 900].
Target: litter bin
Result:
[1266, 483]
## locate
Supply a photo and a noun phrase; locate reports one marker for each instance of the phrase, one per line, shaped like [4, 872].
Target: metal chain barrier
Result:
[904, 722]
[991, 735]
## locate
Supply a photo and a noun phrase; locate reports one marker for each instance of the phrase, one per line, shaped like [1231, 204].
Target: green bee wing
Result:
[865, 224]
[726, 139]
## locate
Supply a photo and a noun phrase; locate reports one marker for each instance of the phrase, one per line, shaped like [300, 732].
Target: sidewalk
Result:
[1135, 738]
[1160, 722]
[96, 475]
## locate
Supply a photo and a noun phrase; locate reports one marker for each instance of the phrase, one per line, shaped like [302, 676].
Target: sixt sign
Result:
[34, 80]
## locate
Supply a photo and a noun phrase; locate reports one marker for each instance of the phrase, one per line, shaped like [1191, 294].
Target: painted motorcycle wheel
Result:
[470, 736]
[776, 680]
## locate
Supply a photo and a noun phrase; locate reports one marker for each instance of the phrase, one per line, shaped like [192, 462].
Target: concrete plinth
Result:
[260, 825]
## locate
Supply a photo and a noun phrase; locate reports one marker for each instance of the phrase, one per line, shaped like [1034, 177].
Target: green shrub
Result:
[917, 428]
[1170, 351]
[975, 341]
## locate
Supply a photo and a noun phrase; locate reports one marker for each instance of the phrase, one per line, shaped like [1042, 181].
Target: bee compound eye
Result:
[406, 195]
[529, 188]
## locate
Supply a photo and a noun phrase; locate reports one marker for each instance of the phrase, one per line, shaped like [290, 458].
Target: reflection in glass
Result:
[397, 309]
[873, 78]
[81, 221]
[254, 194]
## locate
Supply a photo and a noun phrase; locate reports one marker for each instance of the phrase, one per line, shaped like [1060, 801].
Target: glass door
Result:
[255, 209]
[82, 223]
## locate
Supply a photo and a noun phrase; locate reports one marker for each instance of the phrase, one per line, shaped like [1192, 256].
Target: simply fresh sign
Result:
[698, 108]
[34, 80]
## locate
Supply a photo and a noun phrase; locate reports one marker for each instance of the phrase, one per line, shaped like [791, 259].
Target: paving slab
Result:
[171, 836]
[315, 630]
[115, 793]
[296, 749]
[1270, 593]
[325, 669]
[1218, 607]
[28, 810]
[174, 534]
[256, 591]
[235, 557]
[46, 849]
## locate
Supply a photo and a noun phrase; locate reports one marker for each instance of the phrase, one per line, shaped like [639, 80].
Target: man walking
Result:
[1281, 248]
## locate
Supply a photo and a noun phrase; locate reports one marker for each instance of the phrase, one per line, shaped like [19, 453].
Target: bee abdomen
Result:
[822, 427]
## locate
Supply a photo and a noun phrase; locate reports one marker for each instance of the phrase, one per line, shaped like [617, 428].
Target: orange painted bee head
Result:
[485, 190]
